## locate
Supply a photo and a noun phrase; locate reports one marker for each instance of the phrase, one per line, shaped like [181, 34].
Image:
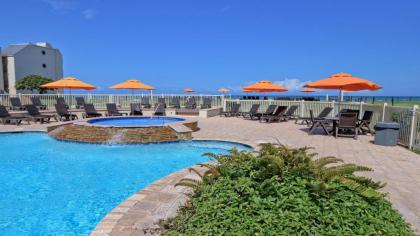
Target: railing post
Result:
[383, 111]
[333, 107]
[412, 127]
[361, 109]
[302, 108]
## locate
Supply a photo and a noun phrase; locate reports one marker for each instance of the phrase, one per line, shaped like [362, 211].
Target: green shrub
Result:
[281, 191]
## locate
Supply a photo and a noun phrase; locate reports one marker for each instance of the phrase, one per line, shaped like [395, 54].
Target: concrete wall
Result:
[34, 60]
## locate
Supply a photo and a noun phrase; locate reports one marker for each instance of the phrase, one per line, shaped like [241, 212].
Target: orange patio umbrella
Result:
[307, 90]
[264, 86]
[68, 83]
[223, 90]
[188, 90]
[344, 82]
[133, 84]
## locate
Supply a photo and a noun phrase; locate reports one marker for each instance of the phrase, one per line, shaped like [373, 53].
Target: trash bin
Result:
[386, 133]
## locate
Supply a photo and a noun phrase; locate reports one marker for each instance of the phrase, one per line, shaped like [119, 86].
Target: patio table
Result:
[334, 120]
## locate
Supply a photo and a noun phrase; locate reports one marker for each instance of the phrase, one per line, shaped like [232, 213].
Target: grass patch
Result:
[281, 191]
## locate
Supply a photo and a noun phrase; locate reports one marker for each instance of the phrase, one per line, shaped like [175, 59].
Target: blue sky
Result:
[225, 43]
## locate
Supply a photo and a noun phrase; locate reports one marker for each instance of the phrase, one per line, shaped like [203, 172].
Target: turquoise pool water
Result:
[48, 187]
[135, 121]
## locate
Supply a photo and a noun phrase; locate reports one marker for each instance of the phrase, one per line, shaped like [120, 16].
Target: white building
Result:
[20, 60]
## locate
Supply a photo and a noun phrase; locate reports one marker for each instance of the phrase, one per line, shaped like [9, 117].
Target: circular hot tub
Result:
[122, 130]
[134, 121]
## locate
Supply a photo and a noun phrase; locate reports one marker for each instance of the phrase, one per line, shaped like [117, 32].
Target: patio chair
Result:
[135, 109]
[174, 103]
[16, 104]
[234, 111]
[252, 111]
[365, 122]
[90, 111]
[270, 110]
[162, 101]
[63, 112]
[113, 111]
[348, 122]
[309, 120]
[145, 102]
[60, 100]
[35, 115]
[276, 116]
[319, 121]
[290, 113]
[80, 102]
[190, 104]
[6, 117]
[159, 110]
[37, 102]
[206, 103]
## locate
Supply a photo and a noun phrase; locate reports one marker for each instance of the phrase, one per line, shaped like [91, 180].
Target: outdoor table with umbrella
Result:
[68, 83]
[343, 82]
[133, 84]
[263, 86]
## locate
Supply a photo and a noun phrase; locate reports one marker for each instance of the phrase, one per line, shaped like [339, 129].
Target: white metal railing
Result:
[100, 100]
[407, 117]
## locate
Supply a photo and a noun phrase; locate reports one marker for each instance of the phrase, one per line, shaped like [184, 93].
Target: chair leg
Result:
[336, 132]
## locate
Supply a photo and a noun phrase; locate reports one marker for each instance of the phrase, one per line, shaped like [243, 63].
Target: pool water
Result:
[49, 187]
[135, 121]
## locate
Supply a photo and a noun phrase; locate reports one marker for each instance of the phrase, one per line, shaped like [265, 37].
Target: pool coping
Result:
[86, 122]
[145, 221]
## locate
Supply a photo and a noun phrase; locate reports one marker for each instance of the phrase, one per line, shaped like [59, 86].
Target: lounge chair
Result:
[320, 121]
[270, 110]
[348, 122]
[206, 103]
[16, 104]
[90, 111]
[290, 113]
[191, 104]
[113, 111]
[234, 110]
[37, 102]
[309, 120]
[159, 110]
[80, 102]
[35, 115]
[6, 117]
[175, 103]
[145, 102]
[63, 112]
[252, 111]
[60, 100]
[162, 101]
[276, 116]
[365, 122]
[135, 109]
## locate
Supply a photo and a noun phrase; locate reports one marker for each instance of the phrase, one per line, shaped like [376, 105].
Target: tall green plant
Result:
[33, 83]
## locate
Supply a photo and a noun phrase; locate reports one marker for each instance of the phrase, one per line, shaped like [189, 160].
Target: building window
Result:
[43, 52]
[44, 66]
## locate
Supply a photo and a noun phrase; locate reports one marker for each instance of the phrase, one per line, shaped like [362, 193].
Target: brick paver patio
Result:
[396, 166]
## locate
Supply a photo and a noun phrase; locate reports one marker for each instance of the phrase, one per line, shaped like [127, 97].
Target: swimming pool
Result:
[135, 121]
[48, 187]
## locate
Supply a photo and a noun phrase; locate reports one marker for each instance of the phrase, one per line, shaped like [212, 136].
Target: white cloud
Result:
[60, 5]
[89, 14]
[292, 84]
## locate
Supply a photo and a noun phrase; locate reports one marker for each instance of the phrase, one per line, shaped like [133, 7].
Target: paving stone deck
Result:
[396, 166]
